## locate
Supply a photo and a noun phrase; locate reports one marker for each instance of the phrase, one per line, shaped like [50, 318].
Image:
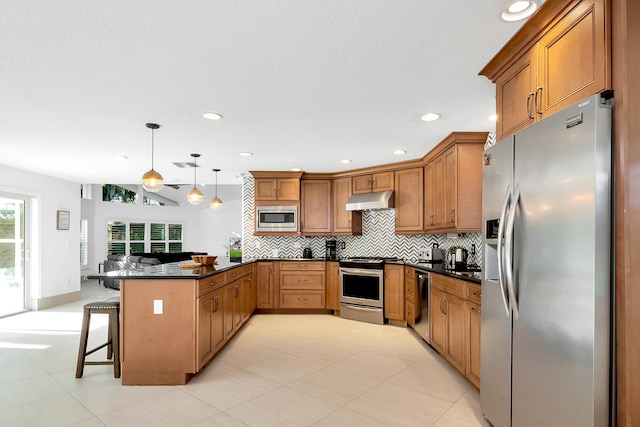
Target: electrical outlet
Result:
[157, 306]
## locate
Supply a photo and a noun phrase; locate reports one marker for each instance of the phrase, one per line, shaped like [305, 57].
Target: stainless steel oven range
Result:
[362, 289]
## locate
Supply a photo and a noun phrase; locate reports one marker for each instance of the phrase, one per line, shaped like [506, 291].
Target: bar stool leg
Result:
[114, 338]
[84, 336]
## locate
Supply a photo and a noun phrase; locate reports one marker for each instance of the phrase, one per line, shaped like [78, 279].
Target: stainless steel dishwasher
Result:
[424, 289]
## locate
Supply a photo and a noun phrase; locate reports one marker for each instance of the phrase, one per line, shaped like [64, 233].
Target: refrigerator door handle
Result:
[509, 251]
[501, 281]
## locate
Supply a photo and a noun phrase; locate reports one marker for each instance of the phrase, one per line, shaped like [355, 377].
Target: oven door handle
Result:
[356, 307]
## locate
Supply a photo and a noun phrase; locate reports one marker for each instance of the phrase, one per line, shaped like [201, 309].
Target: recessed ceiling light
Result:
[399, 152]
[345, 161]
[212, 116]
[246, 154]
[518, 10]
[493, 117]
[429, 117]
[296, 169]
[119, 157]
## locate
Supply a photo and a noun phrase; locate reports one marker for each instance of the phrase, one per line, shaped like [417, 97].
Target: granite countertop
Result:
[171, 270]
[470, 276]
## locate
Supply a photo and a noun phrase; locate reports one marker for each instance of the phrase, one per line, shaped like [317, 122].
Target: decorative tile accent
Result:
[378, 237]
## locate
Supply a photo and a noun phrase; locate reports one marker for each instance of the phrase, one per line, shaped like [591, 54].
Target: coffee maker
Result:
[331, 249]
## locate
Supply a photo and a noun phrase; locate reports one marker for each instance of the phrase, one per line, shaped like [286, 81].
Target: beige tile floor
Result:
[279, 370]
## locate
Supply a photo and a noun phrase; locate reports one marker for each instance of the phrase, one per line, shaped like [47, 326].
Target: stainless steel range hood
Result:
[370, 201]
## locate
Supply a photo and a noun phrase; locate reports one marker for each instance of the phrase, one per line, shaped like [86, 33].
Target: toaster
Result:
[431, 254]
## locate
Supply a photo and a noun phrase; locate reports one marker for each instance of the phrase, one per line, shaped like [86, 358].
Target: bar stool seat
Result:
[112, 308]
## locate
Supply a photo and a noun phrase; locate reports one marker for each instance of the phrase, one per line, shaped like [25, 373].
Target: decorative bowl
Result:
[205, 259]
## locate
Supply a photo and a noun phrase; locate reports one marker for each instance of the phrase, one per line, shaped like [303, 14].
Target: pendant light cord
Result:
[152, 148]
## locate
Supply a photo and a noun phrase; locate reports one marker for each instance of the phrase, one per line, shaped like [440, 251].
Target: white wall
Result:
[53, 263]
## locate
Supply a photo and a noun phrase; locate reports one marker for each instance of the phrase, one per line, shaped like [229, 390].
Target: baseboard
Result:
[48, 302]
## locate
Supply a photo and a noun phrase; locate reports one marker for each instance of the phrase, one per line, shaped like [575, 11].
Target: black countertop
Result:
[174, 271]
[171, 270]
[470, 276]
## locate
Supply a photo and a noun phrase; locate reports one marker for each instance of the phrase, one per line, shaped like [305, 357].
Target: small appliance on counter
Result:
[306, 253]
[431, 255]
[460, 260]
[331, 249]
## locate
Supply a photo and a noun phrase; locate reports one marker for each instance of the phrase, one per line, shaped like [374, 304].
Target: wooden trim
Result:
[626, 69]
[276, 174]
[527, 36]
[454, 138]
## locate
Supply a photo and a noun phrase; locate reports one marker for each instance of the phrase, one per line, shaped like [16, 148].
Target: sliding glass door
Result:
[12, 295]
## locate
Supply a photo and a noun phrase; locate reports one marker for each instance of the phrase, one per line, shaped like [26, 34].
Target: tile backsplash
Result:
[378, 238]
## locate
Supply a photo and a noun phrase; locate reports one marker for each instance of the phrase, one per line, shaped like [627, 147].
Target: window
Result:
[118, 194]
[135, 237]
[84, 242]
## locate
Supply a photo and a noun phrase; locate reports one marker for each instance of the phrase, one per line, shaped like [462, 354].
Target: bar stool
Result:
[112, 308]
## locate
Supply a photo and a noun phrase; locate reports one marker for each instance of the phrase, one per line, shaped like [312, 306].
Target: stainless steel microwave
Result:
[277, 218]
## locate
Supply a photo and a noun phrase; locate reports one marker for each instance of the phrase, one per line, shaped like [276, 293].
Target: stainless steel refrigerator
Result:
[546, 288]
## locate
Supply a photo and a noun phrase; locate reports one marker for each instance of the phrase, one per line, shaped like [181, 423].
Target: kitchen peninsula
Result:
[174, 320]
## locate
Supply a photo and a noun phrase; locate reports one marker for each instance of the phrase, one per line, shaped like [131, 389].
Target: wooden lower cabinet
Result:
[332, 285]
[412, 297]
[211, 333]
[265, 285]
[394, 291]
[473, 317]
[455, 324]
[302, 285]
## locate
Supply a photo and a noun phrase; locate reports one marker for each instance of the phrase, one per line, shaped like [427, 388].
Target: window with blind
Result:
[133, 237]
[84, 242]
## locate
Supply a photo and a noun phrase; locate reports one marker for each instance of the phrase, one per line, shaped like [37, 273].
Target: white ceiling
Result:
[300, 83]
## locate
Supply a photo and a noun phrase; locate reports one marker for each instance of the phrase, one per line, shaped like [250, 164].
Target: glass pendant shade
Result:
[216, 203]
[195, 196]
[152, 181]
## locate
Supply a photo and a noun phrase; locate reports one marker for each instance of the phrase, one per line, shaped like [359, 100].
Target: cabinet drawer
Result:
[301, 299]
[473, 293]
[410, 312]
[294, 280]
[302, 266]
[449, 285]
[210, 283]
[237, 273]
[409, 272]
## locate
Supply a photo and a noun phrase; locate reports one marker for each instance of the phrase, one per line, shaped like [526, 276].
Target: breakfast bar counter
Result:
[173, 320]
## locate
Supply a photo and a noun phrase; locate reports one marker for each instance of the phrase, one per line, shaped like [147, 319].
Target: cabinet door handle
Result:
[531, 94]
[217, 304]
[431, 219]
[236, 291]
[302, 299]
[453, 215]
[535, 100]
[475, 310]
[409, 289]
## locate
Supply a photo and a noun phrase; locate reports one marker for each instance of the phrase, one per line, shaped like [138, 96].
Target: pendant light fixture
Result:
[152, 181]
[216, 203]
[195, 195]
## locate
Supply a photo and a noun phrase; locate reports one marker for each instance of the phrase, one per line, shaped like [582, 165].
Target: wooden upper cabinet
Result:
[515, 93]
[409, 200]
[344, 222]
[559, 57]
[453, 184]
[381, 181]
[573, 58]
[450, 160]
[277, 189]
[315, 206]
[277, 186]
